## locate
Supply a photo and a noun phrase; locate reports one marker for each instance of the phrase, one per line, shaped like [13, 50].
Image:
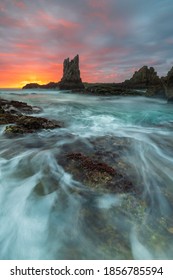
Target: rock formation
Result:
[91, 164]
[50, 85]
[144, 78]
[71, 74]
[14, 112]
[168, 85]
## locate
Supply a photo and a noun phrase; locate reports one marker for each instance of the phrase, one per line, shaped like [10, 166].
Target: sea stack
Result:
[144, 78]
[71, 75]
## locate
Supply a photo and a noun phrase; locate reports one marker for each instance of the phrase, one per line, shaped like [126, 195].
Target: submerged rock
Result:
[101, 164]
[96, 174]
[37, 123]
[170, 99]
[14, 130]
[71, 75]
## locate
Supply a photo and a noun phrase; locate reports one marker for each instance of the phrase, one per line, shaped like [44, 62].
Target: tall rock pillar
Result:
[71, 75]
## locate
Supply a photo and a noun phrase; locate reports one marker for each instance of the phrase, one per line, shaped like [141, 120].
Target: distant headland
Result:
[144, 79]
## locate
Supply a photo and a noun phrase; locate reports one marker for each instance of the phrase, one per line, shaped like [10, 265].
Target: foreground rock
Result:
[7, 118]
[28, 124]
[71, 75]
[96, 174]
[11, 112]
[17, 108]
[97, 163]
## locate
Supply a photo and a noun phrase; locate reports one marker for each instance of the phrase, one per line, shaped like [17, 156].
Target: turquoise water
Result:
[59, 222]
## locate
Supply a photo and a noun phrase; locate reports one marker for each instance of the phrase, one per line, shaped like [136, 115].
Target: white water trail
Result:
[46, 214]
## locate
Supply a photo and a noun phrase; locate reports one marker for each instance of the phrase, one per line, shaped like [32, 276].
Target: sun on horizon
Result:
[19, 81]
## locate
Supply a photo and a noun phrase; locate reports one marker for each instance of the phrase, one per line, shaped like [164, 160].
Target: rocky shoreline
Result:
[93, 168]
[99, 166]
[145, 82]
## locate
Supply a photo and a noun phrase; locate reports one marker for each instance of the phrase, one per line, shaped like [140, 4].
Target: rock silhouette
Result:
[50, 85]
[71, 74]
[168, 85]
[143, 78]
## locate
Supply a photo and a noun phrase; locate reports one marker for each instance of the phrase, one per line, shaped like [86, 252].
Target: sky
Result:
[113, 38]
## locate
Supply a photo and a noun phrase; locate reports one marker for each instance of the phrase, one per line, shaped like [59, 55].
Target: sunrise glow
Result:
[112, 38]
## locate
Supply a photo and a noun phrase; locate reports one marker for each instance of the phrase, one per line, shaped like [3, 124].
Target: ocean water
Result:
[46, 213]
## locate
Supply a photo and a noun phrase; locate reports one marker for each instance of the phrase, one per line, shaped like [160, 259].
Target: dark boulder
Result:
[28, 124]
[18, 108]
[11, 112]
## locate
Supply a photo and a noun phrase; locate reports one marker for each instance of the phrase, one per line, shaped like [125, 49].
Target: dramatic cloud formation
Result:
[112, 37]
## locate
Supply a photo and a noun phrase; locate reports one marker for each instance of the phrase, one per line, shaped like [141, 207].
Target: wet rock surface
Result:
[97, 175]
[7, 118]
[11, 112]
[17, 108]
[100, 197]
[99, 164]
[27, 124]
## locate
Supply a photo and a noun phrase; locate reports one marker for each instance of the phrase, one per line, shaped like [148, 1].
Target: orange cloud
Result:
[36, 36]
[18, 76]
